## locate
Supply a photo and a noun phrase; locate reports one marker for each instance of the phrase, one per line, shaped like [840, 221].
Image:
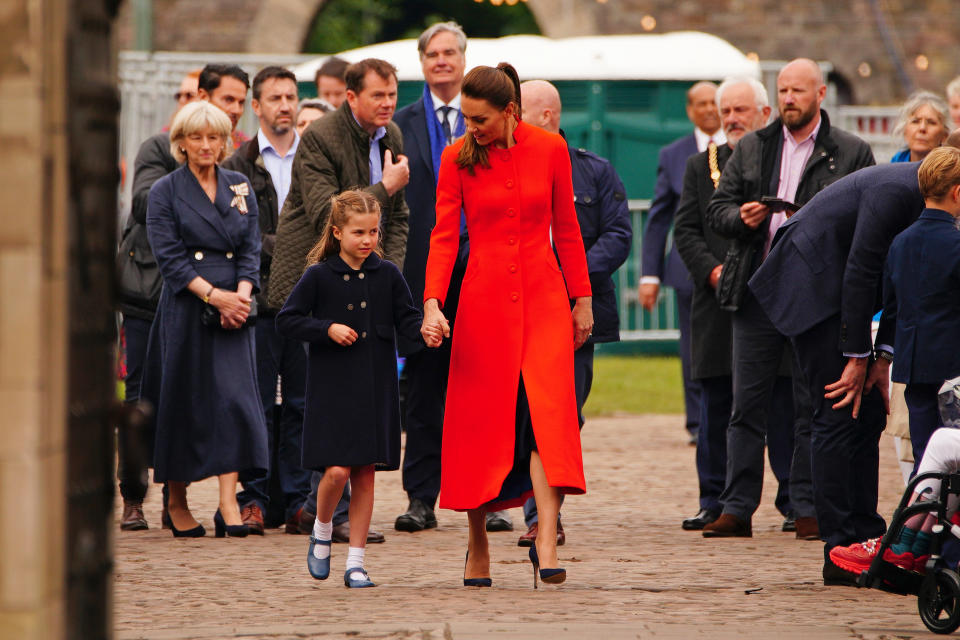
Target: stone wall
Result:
[845, 32]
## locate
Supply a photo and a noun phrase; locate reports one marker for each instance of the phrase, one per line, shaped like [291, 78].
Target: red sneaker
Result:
[857, 557]
[903, 560]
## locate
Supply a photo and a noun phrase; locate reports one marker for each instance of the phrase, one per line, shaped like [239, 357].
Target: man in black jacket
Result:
[743, 108]
[267, 160]
[790, 161]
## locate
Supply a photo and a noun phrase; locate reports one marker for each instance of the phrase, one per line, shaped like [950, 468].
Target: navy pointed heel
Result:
[474, 582]
[197, 532]
[549, 576]
[221, 528]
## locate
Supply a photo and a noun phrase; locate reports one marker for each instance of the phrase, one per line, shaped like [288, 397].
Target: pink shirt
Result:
[793, 159]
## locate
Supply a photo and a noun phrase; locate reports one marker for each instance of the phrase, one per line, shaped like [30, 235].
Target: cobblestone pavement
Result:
[633, 573]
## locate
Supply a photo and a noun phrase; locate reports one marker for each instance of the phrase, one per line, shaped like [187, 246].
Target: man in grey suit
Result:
[788, 161]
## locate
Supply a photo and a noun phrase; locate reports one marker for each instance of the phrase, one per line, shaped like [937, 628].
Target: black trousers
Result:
[134, 445]
[427, 372]
[845, 452]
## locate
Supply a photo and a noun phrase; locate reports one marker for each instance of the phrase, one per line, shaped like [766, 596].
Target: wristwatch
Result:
[885, 355]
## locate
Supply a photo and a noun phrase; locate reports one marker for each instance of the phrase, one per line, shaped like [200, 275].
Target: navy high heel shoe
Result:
[221, 528]
[474, 582]
[550, 576]
[197, 532]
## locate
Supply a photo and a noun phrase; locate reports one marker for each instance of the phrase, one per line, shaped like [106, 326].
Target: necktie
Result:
[447, 132]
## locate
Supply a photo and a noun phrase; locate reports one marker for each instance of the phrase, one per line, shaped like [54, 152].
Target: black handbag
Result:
[138, 275]
[210, 316]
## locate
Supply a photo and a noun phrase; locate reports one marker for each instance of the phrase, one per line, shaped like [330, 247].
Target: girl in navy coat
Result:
[347, 306]
[922, 295]
[203, 227]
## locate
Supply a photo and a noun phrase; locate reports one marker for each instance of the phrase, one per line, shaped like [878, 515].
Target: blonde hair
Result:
[939, 172]
[342, 206]
[196, 117]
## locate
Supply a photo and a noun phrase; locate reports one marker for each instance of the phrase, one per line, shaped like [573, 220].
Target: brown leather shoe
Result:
[252, 516]
[292, 525]
[133, 518]
[527, 539]
[807, 529]
[728, 526]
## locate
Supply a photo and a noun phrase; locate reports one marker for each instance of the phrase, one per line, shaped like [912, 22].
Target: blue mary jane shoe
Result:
[319, 569]
[355, 583]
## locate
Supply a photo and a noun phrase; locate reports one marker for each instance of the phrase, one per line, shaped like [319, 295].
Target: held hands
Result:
[234, 307]
[648, 295]
[582, 321]
[435, 326]
[753, 213]
[396, 175]
[342, 334]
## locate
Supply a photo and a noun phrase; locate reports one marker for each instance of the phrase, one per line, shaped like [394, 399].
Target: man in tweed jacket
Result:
[337, 153]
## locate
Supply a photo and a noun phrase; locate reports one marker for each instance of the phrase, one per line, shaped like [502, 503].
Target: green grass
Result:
[635, 384]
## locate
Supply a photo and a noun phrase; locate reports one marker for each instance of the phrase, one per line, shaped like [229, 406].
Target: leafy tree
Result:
[347, 24]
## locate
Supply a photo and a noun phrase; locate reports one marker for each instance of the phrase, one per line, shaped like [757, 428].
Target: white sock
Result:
[322, 531]
[355, 559]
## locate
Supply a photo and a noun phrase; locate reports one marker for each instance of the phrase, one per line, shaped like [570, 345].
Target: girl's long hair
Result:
[499, 86]
[342, 206]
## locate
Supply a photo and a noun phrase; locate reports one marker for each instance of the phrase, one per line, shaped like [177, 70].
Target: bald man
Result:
[789, 160]
[604, 218]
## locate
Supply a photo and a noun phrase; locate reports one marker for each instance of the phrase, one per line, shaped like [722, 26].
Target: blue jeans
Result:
[583, 380]
[287, 358]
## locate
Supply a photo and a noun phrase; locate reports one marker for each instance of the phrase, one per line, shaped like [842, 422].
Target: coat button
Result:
[229, 255]
[511, 241]
[198, 255]
[363, 334]
[363, 304]
[350, 307]
[360, 275]
[514, 296]
[587, 199]
[513, 268]
[346, 277]
[132, 254]
[511, 213]
[508, 184]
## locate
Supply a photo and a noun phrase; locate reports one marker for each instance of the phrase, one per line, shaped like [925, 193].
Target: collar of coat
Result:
[337, 265]
[824, 140]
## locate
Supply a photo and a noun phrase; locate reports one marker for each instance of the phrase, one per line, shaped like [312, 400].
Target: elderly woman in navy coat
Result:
[202, 225]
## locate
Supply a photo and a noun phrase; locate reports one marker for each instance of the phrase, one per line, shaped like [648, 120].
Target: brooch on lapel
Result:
[240, 200]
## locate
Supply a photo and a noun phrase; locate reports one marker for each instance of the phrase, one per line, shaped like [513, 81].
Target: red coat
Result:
[514, 314]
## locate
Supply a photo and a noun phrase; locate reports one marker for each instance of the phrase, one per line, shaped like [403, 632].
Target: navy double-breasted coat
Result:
[201, 380]
[352, 415]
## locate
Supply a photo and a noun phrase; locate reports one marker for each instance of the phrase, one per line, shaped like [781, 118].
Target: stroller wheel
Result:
[939, 601]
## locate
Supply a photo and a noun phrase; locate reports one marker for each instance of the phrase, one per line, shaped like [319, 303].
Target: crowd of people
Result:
[784, 229]
[342, 235]
[296, 265]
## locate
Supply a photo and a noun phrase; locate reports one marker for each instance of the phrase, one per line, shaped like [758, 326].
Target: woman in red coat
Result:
[515, 333]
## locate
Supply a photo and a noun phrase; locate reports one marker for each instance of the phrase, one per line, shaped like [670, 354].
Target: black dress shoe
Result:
[834, 576]
[699, 521]
[341, 533]
[419, 516]
[499, 521]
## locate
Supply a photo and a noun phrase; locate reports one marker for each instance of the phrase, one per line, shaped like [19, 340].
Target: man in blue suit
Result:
[702, 111]
[428, 125]
[820, 286]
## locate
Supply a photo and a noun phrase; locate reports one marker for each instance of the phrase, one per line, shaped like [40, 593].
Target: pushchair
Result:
[938, 590]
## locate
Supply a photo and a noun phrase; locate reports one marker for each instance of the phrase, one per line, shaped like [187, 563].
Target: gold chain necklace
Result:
[712, 161]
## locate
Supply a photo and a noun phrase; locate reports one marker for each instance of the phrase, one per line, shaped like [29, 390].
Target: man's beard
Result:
[795, 121]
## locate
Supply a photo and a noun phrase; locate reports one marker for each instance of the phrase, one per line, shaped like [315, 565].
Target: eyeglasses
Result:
[184, 95]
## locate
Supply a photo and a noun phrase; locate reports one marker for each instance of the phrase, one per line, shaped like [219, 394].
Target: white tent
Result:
[682, 55]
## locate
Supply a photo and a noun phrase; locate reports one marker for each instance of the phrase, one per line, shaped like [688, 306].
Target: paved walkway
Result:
[633, 573]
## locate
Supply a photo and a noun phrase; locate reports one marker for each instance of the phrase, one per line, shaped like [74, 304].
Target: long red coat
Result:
[513, 316]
